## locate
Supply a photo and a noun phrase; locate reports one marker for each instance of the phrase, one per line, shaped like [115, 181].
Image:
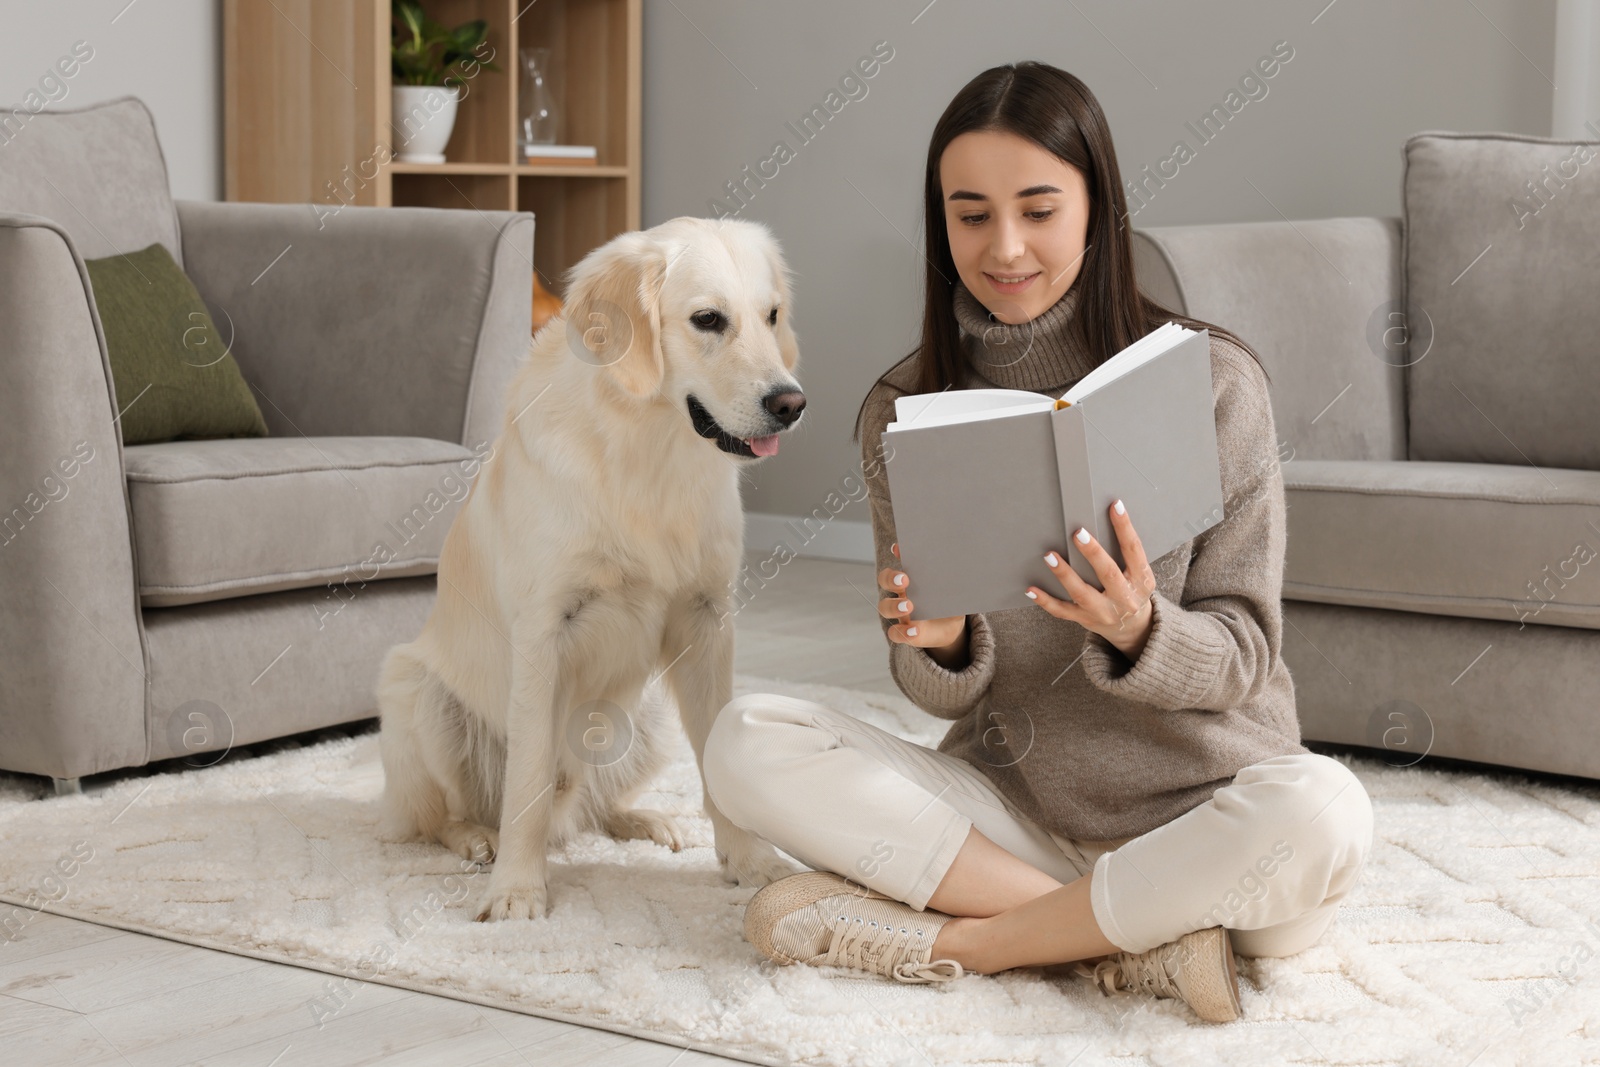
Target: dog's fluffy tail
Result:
[413, 804]
[431, 744]
[483, 763]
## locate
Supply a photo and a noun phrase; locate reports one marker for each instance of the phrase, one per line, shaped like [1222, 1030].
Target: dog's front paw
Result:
[642, 824]
[753, 862]
[515, 902]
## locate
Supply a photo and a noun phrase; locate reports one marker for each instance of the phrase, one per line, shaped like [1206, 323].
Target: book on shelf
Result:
[560, 155]
[984, 482]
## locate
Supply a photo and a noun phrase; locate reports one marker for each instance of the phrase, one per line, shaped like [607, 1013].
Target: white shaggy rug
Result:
[1473, 938]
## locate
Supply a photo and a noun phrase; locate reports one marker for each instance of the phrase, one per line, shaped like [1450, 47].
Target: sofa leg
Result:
[68, 786]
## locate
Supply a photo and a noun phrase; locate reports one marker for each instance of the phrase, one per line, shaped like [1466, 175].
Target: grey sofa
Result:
[173, 599]
[1436, 391]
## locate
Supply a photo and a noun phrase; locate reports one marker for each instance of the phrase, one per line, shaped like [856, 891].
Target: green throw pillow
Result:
[174, 376]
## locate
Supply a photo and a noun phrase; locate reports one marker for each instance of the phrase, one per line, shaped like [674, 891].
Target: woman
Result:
[1123, 784]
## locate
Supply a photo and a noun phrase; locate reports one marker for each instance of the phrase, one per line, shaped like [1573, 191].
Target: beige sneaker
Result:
[1197, 969]
[827, 921]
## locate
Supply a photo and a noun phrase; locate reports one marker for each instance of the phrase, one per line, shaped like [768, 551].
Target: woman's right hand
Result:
[945, 639]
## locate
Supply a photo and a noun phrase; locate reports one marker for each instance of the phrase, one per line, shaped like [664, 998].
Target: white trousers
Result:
[1268, 857]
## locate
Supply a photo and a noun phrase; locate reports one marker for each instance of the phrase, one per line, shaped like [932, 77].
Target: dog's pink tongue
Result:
[765, 446]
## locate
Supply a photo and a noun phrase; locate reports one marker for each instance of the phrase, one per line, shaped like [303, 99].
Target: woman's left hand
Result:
[1122, 612]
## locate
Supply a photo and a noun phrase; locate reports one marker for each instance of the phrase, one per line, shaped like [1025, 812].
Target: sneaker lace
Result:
[881, 948]
[1154, 977]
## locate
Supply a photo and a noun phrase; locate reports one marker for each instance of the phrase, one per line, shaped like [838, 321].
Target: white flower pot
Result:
[422, 118]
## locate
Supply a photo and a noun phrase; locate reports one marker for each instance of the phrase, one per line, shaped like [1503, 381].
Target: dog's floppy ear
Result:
[613, 311]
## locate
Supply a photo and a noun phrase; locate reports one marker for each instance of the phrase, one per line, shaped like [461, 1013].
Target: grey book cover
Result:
[978, 503]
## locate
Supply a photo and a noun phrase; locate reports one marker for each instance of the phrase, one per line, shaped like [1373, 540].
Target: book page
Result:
[1131, 358]
[963, 405]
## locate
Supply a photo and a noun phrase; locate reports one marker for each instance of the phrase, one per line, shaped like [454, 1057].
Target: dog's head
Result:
[694, 312]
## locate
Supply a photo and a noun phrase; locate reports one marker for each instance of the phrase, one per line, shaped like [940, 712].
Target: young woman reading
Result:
[1123, 782]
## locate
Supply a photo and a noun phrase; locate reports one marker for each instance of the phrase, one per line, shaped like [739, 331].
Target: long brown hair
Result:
[1056, 111]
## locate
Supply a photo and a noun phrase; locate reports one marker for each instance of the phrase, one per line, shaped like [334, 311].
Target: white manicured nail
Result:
[1120, 509]
[1050, 558]
[1031, 595]
[911, 631]
[899, 579]
[1082, 536]
[905, 605]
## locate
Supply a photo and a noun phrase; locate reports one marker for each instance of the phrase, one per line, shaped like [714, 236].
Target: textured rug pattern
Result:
[1473, 938]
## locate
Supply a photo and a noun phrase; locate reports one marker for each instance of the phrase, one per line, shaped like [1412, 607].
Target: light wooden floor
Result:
[78, 994]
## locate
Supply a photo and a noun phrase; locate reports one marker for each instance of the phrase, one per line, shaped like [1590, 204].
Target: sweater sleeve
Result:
[1217, 648]
[945, 693]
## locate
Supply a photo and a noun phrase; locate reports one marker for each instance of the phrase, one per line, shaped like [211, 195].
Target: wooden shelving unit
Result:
[307, 115]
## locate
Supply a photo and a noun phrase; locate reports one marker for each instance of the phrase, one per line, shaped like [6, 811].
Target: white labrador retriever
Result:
[596, 552]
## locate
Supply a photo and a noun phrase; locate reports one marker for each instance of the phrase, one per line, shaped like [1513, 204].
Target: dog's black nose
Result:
[785, 407]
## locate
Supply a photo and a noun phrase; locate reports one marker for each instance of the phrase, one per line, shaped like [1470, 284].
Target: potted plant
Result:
[430, 65]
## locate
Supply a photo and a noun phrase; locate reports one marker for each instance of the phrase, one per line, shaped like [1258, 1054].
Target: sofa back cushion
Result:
[97, 171]
[1313, 298]
[1502, 269]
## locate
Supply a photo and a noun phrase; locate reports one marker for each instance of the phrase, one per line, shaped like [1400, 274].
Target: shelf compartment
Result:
[573, 218]
[589, 44]
[484, 113]
[481, 192]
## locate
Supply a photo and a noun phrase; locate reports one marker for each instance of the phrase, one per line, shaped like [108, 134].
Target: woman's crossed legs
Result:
[1269, 856]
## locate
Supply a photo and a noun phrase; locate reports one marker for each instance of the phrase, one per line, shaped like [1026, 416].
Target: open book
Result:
[984, 482]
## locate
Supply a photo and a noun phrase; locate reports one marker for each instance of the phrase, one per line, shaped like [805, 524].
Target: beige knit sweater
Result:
[1080, 740]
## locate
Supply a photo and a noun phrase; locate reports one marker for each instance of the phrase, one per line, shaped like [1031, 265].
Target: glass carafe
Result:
[541, 119]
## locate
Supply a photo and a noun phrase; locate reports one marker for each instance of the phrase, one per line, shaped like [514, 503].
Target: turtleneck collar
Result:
[1044, 354]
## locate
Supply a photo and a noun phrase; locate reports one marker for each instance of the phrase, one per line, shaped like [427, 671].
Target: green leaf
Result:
[469, 35]
[409, 12]
[424, 52]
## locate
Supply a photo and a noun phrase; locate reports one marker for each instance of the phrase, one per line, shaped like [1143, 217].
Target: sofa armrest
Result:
[365, 320]
[71, 645]
[1317, 299]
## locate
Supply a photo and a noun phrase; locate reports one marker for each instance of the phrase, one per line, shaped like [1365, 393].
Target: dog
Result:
[595, 554]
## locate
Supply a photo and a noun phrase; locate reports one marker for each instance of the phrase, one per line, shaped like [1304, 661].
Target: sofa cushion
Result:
[173, 375]
[234, 516]
[96, 171]
[1487, 541]
[1502, 255]
[1269, 283]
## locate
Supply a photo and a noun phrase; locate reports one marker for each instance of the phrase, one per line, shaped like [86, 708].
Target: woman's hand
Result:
[945, 639]
[1122, 613]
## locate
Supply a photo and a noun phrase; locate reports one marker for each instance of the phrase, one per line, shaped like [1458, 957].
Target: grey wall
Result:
[723, 77]
[166, 52]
